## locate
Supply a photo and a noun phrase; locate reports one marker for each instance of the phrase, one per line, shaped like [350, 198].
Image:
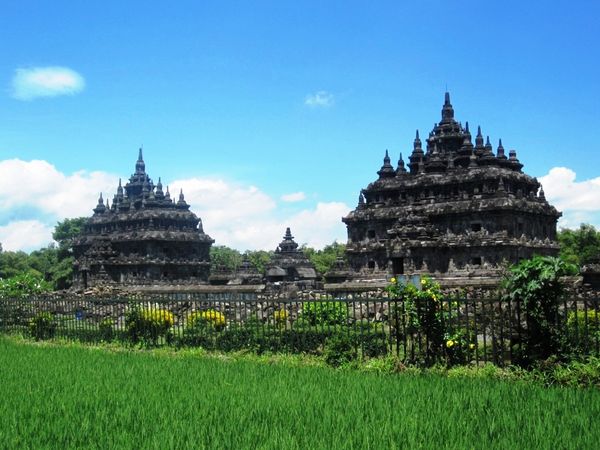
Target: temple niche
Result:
[290, 264]
[458, 209]
[144, 237]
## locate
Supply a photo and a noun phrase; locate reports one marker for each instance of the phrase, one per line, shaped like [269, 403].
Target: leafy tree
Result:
[65, 232]
[44, 261]
[259, 259]
[23, 285]
[324, 259]
[579, 246]
[14, 263]
[536, 284]
[224, 258]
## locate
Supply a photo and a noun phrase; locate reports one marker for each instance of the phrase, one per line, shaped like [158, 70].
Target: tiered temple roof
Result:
[144, 237]
[458, 208]
[289, 263]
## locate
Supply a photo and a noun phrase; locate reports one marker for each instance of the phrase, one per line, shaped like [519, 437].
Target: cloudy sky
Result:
[275, 114]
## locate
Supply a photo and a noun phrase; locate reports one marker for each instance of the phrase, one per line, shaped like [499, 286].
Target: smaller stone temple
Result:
[143, 237]
[290, 264]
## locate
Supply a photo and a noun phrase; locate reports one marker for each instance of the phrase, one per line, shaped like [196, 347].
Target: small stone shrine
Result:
[290, 263]
[457, 209]
[143, 238]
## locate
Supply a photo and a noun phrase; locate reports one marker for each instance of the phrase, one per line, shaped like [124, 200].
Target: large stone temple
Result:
[144, 237]
[458, 209]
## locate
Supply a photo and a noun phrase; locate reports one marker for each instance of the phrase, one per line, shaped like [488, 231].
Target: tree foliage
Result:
[536, 285]
[224, 258]
[324, 259]
[259, 259]
[23, 285]
[65, 232]
[579, 246]
[53, 264]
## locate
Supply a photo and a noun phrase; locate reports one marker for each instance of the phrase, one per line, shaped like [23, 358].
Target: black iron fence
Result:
[466, 330]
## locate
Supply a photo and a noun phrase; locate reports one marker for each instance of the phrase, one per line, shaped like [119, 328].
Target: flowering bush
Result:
[42, 326]
[23, 285]
[147, 325]
[210, 317]
[280, 316]
[460, 346]
[424, 314]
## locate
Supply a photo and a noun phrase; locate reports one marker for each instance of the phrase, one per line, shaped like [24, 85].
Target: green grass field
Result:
[73, 397]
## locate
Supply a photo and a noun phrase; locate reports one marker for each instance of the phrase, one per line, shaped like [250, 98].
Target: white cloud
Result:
[34, 195]
[25, 235]
[29, 84]
[244, 217]
[579, 201]
[320, 226]
[321, 99]
[293, 197]
[40, 185]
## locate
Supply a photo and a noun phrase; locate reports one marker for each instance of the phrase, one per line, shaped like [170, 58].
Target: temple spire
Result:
[488, 147]
[288, 244]
[159, 192]
[479, 138]
[500, 152]
[181, 203]
[447, 110]
[140, 166]
[401, 168]
[100, 207]
[386, 170]
[119, 190]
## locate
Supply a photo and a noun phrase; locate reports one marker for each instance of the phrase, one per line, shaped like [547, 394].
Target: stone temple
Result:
[144, 237]
[458, 209]
[290, 264]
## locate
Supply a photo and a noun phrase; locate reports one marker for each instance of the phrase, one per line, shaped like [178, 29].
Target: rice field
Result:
[72, 397]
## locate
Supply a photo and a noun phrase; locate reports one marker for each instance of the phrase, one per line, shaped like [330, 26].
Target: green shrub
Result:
[307, 340]
[24, 285]
[583, 330]
[280, 317]
[340, 349]
[106, 329]
[148, 325]
[236, 337]
[204, 329]
[42, 326]
[325, 313]
[421, 316]
[535, 283]
[370, 338]
[210, 317]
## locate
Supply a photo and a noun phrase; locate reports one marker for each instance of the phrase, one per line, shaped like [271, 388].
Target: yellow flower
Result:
[423, 281]
[392, 280]
[449, 343]
[472, 346]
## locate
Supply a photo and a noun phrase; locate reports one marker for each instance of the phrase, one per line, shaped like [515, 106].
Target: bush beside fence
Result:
[341, 329]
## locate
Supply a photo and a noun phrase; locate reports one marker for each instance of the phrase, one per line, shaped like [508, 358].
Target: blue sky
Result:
[260, 100]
